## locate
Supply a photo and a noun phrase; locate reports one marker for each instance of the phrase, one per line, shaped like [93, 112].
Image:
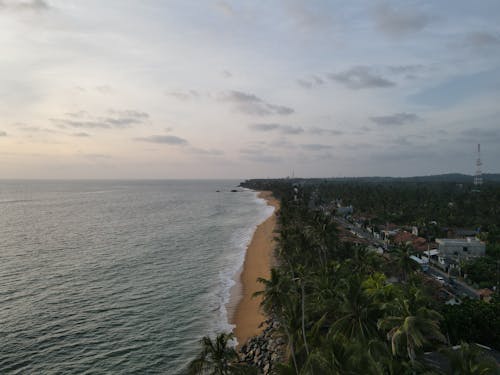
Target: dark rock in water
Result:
[217, 191]
[234, 191]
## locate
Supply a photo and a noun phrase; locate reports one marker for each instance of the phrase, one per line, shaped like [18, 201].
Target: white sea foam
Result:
[239, 242]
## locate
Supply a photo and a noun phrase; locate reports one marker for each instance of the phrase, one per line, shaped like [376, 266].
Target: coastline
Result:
[247, 316]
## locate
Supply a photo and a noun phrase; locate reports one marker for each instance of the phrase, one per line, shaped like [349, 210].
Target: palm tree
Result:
[409, 331]
[403, 261]
[468, 359]
[275, 290]
[357, 313]
[217, 357]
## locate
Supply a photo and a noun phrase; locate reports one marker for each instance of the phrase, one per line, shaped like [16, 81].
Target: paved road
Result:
[359, 231]
[459, 288]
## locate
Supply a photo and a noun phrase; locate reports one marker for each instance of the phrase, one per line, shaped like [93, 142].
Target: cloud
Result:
[225, 7]
[164, 139]
[115, 120]
[481, 133]
[209, 152]
[81, 135]
[184, 95]
[253, 105]
[315, 147]
[29, 5]
[322, 131]
[288, 129]
[284, 129]
[36, 129]
[3, 134]
[481, 39]
[226, 73]
[264, 127]
[309, 83]
[360, 77]
[395, 119]
[399, 21]
[104, 89]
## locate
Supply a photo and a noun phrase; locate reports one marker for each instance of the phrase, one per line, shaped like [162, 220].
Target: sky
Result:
[244, 89]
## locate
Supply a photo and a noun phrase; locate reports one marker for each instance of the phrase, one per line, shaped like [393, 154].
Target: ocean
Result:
[117, 276]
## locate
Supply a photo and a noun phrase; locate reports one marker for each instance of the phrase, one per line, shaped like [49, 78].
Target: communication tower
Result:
[478, 177]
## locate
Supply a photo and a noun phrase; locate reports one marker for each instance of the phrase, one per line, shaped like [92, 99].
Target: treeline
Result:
[405, 203]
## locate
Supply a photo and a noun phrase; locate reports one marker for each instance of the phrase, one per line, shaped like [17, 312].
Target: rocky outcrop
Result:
[266, 350]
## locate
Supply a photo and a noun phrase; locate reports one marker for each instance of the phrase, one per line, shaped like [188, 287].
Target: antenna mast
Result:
[478, 178]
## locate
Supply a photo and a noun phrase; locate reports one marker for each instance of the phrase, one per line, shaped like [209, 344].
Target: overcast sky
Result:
[240, 89]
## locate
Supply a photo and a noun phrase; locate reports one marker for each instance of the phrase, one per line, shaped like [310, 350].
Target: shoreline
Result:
[247, 316]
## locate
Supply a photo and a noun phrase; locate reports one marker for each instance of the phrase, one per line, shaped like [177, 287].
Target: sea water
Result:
[117, 276]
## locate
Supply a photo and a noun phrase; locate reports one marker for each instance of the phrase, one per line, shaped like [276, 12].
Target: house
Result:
[460, 248]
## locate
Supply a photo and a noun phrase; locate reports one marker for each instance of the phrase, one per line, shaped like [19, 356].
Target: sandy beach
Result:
[258, 261]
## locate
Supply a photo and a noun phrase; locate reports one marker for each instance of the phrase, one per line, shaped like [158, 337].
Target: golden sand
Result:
[248, 315]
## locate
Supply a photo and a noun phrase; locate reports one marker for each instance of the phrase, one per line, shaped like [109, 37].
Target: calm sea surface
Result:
[116, 276]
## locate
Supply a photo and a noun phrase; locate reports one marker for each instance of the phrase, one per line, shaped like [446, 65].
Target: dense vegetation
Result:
[338, 311]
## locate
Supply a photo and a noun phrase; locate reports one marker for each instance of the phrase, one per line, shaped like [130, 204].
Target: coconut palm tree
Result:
[218, 357]
[408, 331]
[357, 313]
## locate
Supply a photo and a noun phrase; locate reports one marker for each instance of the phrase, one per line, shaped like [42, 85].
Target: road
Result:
[458, 288]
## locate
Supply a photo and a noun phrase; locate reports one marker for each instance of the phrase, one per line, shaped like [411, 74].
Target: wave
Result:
[229, 278]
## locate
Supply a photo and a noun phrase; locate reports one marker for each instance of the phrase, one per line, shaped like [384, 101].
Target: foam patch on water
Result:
[227, 278]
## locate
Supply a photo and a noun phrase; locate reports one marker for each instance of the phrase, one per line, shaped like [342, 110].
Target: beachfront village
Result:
[379, 277]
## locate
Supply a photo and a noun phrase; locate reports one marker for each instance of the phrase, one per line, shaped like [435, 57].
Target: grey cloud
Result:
[81, 134]
[481, 133]
[30, 5]
[116, 120]
[288, 129]
[315, 147]
[3, 134]
[482, 39]
[322, 131]
[227, 74]
[184, 95]
[284, 129]
[403, 154]
[309, 83]
[395, 119]
[361, 77]
[253, 105]
[264, 127]
[398, 21]
[405, 69]
[164, 139]
[202, 151]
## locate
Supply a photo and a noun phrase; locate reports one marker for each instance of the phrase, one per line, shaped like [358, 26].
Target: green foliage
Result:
[473, 321]
[218, 357]
[469, 359]
[484, 271]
